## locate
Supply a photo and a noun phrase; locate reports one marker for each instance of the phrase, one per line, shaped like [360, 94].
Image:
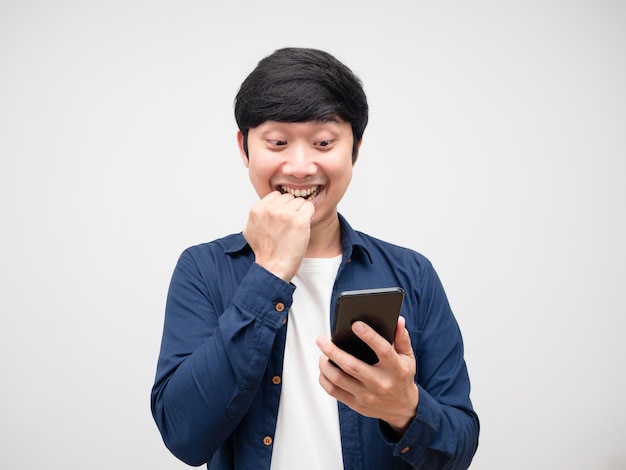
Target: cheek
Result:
[346, 181]
[255, 171]
[260, 166]
[260, 180]
[344, 173]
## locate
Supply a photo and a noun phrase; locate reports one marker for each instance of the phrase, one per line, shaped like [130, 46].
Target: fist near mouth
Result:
[278, 231]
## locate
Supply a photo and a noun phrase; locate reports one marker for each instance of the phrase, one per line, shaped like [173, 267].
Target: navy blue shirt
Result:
[216, 394]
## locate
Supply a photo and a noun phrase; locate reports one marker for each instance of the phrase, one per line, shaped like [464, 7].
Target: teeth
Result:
[305, 193]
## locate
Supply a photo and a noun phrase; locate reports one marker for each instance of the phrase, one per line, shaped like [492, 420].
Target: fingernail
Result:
[358, 327]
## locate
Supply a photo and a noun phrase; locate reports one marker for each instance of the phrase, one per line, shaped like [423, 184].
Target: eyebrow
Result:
[328, 118]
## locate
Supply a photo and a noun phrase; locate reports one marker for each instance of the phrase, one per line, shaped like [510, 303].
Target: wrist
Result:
[277, 270]
[407, 415]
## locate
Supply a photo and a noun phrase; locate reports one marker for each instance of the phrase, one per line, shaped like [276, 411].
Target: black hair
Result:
[299, 85]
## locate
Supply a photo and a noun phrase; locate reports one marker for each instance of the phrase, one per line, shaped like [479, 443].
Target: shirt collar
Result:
[353, 242]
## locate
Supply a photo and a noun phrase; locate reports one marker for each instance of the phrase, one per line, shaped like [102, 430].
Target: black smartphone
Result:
[379, 308]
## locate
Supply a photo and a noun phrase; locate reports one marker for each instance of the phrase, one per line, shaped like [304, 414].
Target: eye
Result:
[324, 143]
[278, 143]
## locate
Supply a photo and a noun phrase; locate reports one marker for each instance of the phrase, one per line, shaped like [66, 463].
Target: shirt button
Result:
[267, 441]
[284, 321]
[405, 450]
[280, 307]
[276, 380]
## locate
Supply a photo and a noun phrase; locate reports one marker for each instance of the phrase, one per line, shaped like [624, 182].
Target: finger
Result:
[296, 202]
[308, 208]
[327, 347]
[300, 202]
[380, 345]
[269, 197]
[334, 379]
[333, 389]
[258, 209]
[342, 360]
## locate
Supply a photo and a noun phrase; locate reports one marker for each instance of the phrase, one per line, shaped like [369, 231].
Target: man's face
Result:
[307, 159]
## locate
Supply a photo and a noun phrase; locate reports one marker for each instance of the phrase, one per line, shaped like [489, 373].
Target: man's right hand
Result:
[278, 231]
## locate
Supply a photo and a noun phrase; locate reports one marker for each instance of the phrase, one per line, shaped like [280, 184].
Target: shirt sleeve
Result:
[213, 358]
[444, 432]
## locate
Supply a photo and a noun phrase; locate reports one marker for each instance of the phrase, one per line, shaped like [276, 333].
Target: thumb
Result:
[402, 340]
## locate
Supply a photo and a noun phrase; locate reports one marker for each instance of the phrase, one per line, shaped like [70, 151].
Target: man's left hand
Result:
[385, 390]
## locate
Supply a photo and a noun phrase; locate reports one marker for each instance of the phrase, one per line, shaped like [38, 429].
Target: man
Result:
[245, 378]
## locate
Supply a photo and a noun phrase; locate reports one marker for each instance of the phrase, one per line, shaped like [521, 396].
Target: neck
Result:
[325, 241]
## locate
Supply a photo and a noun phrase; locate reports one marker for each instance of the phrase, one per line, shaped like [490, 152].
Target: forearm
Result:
[204, 399]
[444, 433]
[200, 397]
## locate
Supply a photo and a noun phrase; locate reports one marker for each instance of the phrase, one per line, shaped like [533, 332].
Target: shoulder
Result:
[397, 253]
[388, 257]
[373, 246]
[229, 244]
[214, 254]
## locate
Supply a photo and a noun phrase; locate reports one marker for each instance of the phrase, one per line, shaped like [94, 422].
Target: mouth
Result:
[305, 193]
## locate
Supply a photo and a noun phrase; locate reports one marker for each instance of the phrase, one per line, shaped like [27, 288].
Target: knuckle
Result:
[385, 353]
[368, 400]
[254, 211]
[386, 388]
[321, 381]
[353, 368]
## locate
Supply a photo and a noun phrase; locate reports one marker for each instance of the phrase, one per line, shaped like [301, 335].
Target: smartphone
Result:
[379, 308]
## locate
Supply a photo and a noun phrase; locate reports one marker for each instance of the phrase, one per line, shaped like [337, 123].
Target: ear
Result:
[244, 157]
[358, 149]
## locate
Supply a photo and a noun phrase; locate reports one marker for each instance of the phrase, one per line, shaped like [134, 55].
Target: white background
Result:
[496, 147]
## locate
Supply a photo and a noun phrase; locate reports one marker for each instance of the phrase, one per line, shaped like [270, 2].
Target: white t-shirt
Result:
[307, 432]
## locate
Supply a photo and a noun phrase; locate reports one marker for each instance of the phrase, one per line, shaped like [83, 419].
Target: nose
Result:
[300, 162]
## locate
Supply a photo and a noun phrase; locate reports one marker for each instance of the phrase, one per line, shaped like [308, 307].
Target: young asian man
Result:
[245, 377]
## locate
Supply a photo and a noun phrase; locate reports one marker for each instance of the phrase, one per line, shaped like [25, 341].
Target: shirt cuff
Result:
[420, 433]
[262, 291]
